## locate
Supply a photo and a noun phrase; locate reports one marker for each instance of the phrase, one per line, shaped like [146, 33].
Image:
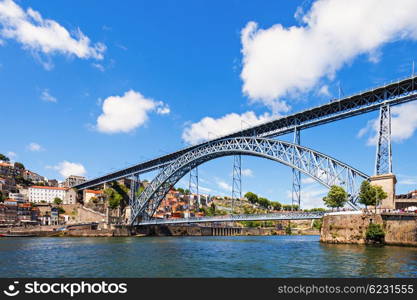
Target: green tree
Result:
[57, 201]
[4, 157]
[264, 202]
[371, 194]
[140, 190]
[295, 207]
[252, 197]
[276, 205]
[116, 194]
[1, 197]
[318, 209]
[380, 195]
[317, 224]
[19, 165]
[367, 194]
[181, 190]
[337, 197]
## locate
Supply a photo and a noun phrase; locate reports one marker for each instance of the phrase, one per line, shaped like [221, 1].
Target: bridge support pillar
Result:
[237, 179]
[387, 182]
[383, 161]
[193, 186]
[296, 175]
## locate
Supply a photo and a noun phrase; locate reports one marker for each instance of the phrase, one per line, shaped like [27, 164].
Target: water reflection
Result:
[372, 261]
[254, 256]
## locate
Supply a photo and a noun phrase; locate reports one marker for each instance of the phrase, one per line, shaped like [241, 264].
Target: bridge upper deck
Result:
[394, 93]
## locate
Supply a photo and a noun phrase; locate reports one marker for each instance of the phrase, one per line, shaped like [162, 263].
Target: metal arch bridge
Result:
[391, 94]
[238, 218]
[324, 169]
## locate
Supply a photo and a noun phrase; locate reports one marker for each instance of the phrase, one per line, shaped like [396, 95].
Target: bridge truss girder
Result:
[394, 93]
[324, 169]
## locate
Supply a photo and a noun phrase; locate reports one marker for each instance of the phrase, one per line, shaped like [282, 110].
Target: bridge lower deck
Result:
[237, 218]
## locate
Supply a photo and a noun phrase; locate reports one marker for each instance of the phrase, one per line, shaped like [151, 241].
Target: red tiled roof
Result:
[93, 192]
[48, 187]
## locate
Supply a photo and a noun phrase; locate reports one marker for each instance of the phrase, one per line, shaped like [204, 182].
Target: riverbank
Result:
[157, 230]
[352, 227]
[52, 231]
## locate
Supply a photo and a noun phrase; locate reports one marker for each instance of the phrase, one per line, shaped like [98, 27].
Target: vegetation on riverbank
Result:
[375, 233]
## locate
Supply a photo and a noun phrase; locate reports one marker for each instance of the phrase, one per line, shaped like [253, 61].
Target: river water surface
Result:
[239, 256]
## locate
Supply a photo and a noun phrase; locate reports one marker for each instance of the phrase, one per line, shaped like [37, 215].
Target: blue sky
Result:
[89, 87]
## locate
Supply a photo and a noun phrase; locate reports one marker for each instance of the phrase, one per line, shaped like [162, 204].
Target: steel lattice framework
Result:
[238, 218]
[237, 177]
[296, 176]
[324, 169]
[383, 161]
[370, 100]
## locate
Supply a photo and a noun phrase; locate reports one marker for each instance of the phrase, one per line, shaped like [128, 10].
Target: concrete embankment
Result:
[116, 232]
[351, 227]
[50, 231]
[41, 231]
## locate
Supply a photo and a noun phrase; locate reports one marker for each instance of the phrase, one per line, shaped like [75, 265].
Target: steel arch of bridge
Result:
[324, 169]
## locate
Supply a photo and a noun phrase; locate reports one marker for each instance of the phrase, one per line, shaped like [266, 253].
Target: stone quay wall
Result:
[350, 228]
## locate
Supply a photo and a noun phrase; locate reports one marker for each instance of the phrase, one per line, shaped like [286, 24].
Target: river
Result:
[239, 256]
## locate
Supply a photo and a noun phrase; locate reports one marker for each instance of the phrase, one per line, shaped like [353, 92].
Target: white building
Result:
[70, 196]
[17, 196]
[74, 180]
[38, 194]
[32, 176]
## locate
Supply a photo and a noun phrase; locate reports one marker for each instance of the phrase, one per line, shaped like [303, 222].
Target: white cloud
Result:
[407, 180]
[223, 185]
[46, 96]
[286, 61]
[204, 189]
[403, 124]
[209, 128]
[66, 168]
[324, 91]
[127, 112]
[44, 36]
[99, 67]
[35, 147]
[162, 108]
[247, 172]
[311, 196]
[307, 180]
